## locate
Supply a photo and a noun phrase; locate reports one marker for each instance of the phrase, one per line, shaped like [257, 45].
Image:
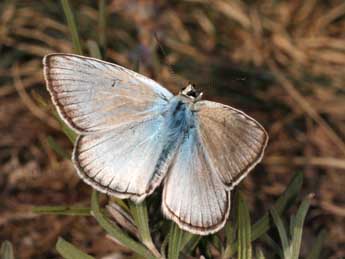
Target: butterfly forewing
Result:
[233, 141]
[93, 95]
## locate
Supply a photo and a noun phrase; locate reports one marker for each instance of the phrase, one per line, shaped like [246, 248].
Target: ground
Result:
[282, 62]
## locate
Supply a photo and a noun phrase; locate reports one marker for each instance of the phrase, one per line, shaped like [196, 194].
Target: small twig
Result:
[313, 161]
[36, 111]
[332, 208]
[330, 16]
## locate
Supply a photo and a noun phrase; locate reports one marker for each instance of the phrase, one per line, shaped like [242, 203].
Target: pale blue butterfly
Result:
[134, 134]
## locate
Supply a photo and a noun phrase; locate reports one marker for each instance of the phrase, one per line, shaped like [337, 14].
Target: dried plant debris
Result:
[282, 62]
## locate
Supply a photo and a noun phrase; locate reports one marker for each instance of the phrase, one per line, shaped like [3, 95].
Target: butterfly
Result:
[134, 135]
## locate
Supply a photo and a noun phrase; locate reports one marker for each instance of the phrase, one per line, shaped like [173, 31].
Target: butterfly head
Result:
[191, 93]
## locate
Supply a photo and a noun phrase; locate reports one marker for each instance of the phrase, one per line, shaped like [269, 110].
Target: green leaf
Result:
[69, 251]
[72, 26]
[282, 233]
[244, 230]
[6, 250]
[115, 231]
[317, 246]
[175, 241]
[139, 213]
[62, 210]
[298, 228]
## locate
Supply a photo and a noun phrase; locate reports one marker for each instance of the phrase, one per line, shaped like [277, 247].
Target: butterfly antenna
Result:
[171, 70]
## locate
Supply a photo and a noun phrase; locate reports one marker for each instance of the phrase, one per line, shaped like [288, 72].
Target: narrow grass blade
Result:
[115, 231]
[263, 224]
[120, 202]
[292, 223]
[187, 237]
[102, 23]
[69, 251]
[230, 236]
[62, 210]
[57, 148]
[164, 246]
[282, 233]
[122, 218]
[298, 228]
[259, 253]
[71, 135]
[94, 49]
[175, 241]
[140, 216]
[215, 241]
[275, 248]
[191, 244]
[72, 26]
[317, 246]
[244, 230]
[6, 250]
[42, 103]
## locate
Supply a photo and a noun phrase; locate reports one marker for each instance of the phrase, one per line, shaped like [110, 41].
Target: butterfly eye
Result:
[192, 93]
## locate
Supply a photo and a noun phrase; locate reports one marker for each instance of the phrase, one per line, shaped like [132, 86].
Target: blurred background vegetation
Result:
[282, 62]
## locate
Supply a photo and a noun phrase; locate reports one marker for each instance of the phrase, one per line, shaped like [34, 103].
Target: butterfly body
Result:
[134, 135]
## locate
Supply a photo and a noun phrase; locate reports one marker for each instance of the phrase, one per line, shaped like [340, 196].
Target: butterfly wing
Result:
[92, 95]
[118, 114]
[194, 196]
[219, 149]
[234, 142]
[124, 161]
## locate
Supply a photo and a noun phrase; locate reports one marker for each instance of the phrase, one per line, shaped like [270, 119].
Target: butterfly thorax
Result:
[179, 114]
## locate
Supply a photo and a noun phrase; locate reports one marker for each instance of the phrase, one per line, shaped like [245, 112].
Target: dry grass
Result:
[283, 62]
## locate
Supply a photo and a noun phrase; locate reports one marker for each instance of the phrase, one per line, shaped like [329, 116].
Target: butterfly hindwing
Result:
[123, 161]
[194, 196]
